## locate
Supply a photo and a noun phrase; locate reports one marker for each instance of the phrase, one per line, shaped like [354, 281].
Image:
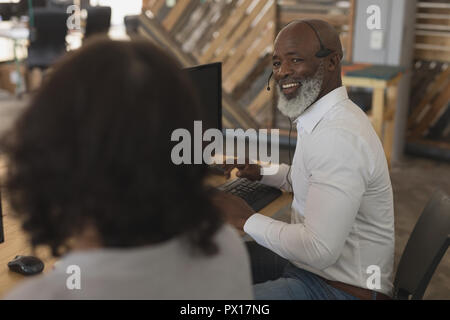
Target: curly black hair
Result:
[93, 149]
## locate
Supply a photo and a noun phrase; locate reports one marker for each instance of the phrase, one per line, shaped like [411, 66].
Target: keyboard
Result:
[257, 195]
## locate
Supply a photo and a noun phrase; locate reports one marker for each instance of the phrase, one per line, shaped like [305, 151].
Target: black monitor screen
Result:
[208, 81]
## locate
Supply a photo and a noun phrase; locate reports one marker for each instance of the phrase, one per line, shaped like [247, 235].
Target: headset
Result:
[322, 53]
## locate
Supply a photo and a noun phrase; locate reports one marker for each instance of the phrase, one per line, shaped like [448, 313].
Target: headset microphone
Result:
[268, 81]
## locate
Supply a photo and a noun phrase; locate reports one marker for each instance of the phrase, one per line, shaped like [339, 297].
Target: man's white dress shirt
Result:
[342, 217]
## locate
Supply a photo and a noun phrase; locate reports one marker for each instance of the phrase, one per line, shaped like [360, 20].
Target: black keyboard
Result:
[256, 194]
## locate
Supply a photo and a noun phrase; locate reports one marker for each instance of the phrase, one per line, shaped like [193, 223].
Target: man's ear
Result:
[333, 61]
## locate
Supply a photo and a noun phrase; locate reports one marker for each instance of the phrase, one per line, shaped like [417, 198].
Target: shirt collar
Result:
[311, 117]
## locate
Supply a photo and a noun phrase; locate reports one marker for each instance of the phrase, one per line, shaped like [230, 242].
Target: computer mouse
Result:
[26, 265]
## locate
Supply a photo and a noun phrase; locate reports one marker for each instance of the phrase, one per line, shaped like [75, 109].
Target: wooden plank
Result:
[236, 16]
[239, 32]
[421, 80]
[262, 115]
[247, 63]
[158, 4]
[432, 40]
[419, 71]
[378, 111]
[244, 119]
[389, 121]
[149, 4]
[430, 10]
[314, 6]
[226, 123]
[155, 32]
[391, 103]
[432, 47]
[432, 33]
[185, 18]
[363, 82]
[434, 27]
[199, 15]
[437, 16]
[334, 20]
[443, 56]
[152, 30]
[175, 14]
[201, 33]
[242, 48]
[434, 5]
[259, 102]
[222, 11]
[441, 101]
[263, 67]
[438, 83]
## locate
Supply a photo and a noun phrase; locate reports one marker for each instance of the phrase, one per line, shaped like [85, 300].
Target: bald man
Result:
[340, 242]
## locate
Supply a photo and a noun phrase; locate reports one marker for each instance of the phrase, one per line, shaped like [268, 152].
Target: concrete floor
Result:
[413, 181]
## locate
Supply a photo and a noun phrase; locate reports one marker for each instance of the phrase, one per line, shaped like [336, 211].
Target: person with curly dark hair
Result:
[90, 176]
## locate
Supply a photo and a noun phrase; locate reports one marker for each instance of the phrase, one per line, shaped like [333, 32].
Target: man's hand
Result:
[234, 209]
[247, 170]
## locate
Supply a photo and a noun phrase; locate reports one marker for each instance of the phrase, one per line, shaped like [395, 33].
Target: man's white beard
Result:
[306, 95]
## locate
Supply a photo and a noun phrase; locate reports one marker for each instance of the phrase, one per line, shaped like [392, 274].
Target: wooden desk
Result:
[16, 244]
[383, 114]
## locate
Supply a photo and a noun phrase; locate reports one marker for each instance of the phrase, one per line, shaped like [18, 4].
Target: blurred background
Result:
[395, 67]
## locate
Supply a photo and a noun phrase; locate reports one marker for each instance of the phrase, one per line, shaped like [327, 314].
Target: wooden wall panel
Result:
[239, 33]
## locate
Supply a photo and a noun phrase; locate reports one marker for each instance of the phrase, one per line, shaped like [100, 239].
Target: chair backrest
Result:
[131, 24]
[98, 20]
[426, 246]
[50, 26]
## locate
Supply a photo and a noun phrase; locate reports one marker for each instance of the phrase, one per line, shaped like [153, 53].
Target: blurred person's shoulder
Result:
[163, 271]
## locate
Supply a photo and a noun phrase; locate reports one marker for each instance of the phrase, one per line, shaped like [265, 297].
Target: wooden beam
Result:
[175, 14]
[246, 43]
[155, 32]
[334, 20]
[240, 30]
[441, 79]
[441, 101]
[363, 82]
[240, 72]
[230, 24]
[432, 55]
[155, 6]
[378, 111]
[259, 102]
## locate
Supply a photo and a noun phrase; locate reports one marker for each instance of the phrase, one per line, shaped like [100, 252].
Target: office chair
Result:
[59, 3]
[98, 20]
[21, 8]
[6, 11]
[131, 24]
[426, 246]
[48, 37]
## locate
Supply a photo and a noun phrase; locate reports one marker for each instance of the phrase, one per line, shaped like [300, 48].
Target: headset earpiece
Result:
[323, 52]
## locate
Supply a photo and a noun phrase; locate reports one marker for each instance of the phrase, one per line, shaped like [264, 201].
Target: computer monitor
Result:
[207, 79]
